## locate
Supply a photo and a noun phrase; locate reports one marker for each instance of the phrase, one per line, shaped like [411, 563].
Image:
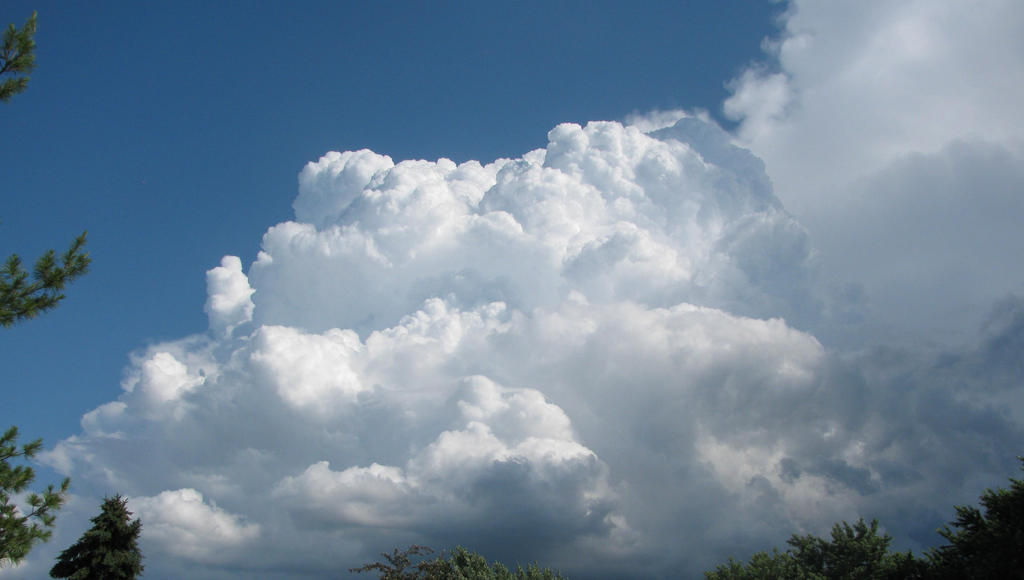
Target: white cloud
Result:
[163, 378]
[893, 132]
[229, 301]
[654, 120]
[180, 522]
[457, 477]
[308, 371]
[606, 210]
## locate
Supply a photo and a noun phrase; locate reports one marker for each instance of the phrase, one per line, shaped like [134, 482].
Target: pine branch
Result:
[17, 56]
[22, 300]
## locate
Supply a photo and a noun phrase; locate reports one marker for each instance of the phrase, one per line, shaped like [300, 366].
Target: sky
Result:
[625, 290]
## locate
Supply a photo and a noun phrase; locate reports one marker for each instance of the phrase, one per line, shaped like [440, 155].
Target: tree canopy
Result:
[460, 564]
[980, 545]
[989, 544]
[852, 552]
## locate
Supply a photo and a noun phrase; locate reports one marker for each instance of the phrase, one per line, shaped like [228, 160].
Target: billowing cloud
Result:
[605, 210]
[619, 354]
[182, 524]
[229, 301]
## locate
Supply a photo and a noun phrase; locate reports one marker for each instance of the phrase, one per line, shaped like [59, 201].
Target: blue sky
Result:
[623, 289]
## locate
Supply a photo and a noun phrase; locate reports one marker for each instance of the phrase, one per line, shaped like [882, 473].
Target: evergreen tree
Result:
[17, 57]
[107, 551]
[19, 530]
[21, 299]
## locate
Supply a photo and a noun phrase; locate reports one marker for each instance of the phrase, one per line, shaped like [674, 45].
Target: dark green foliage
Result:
[19, 531]
[461, 564]
[17, 57]
[107, 551]
[21, 299]
[762, 566]
[989, 545]
[981, 546]
[468, 565]
[854, 552]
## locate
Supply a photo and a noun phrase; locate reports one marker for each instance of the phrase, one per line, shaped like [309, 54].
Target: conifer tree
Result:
[107, 551]
[21, 298]
[19, 530]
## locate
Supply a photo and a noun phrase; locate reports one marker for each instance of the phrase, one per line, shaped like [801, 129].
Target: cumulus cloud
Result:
[229, 301]
[181, 523]
[506, 445]
[619, 354]
[605, 210]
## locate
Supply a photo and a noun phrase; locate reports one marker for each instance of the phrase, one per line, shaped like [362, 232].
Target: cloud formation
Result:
[229, 296]
[619, 354]
[893, 134]
[183, 525]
